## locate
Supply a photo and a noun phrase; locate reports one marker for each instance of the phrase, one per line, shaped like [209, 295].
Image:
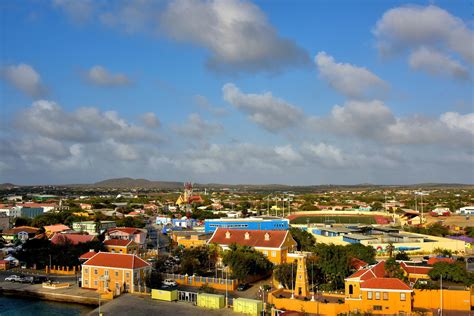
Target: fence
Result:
[198, 281]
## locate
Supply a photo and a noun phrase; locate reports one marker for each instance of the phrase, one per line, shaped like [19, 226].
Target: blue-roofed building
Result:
[31, 212]
[251, 223]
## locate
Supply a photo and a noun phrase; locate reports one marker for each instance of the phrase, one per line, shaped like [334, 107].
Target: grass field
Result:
[336, 219]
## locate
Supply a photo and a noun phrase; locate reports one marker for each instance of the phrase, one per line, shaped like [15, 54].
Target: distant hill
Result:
[124, 183]
[6, 186]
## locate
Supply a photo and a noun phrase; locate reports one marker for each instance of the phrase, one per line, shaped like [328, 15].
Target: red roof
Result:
[376, 271]
[385, 284]
[117, 242]
[256, 238]
[88, 255]
[59, 239]
[16, 230]
[433, 260]
[127, 230]
[56, 228]
[357, 263]
[415, 269]
[116, 260]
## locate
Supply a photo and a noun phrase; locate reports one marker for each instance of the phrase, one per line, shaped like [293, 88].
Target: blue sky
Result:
[296, 92]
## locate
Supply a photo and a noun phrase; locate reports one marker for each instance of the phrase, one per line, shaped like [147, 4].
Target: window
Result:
[377, 295]
[86, 270]
[86, 282]
[95, 271]
[127, 274]
[377, 308]
[369, 295]
[351, 289]
[403, 297]
[106, 272]
[95, 282]
[385, 296]
[265, 253]
[116, 274]
[274, 254]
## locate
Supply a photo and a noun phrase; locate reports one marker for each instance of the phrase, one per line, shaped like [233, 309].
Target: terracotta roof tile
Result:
[56, 228]
[88, 255]
[16, 230]
[224, 236]
[117, 242]
[385, 284]
[433, 260]
[74, 239]
[116, 260]
[415, 269]
[128, 230]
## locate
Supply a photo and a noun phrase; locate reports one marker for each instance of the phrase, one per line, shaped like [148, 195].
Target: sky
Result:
[229, 91]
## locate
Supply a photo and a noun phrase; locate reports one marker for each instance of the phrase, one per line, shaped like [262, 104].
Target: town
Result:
[255, 251]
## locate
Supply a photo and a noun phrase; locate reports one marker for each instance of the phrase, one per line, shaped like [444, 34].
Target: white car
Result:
[170, 282]
[13, 278]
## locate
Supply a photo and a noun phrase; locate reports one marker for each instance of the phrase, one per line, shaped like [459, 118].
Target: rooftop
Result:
[251, 238]
[116, 260]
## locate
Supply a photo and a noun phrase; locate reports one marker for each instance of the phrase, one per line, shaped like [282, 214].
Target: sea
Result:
[13, 306]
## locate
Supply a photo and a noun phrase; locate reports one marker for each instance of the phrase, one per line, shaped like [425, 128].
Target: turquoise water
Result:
[12, 306]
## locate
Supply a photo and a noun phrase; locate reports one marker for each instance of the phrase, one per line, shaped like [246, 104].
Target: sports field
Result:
[341, 219]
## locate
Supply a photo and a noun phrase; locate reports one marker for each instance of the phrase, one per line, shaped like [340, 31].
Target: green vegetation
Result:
[198, 260]
[245, 261]
[454, 272]
[305, 241]
[394, 270]
[435, 229]
[336, 219]
[154, 280]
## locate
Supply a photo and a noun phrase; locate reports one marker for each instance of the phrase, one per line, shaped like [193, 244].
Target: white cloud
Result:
[437, 63]
[204, 104]
[272, 113]
[327, 155]
[25, 78]
[100, 76]
[352, 81]
[150, 120]
[236, 33]
[196, 127]
[413, 27]
[288, 154]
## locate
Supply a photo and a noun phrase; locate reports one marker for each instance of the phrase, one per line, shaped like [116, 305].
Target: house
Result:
[129, 233]
[369, 290]
[4, 222]
[73, 239]
[190, 239]
[415, 272]
[86, 256]
[22, 233]
[92, 227]
[4, 265]
[121, 246]
[274, 244]
[115, 272]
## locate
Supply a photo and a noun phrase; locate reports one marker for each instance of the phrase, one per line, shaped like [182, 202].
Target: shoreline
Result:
[49, 296]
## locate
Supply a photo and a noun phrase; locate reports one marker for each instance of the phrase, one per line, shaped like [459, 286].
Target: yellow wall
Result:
[355, 289]
[116, 278]
[200, 281]
[190, 242]
[211, 301]
[390, 303]
[164, 295]
[131, 249]
[452, 300]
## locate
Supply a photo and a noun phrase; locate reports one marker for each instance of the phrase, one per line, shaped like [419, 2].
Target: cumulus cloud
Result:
[436, 63]
[325, 154]
[24, 78]
[100, 76]
[271, 113]
[197, 127]
[375, 121]
[413, 27]
[288, 154]
[150, 120]
[352, 81]
[237, 33]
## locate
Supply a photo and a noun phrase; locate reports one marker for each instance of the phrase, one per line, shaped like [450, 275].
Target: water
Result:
[12, 306]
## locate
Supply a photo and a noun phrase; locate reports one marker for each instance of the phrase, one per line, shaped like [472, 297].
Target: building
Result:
[22, 233]
[467, 210]
[129, 233]
[121, 246]
[4, 222]
[190, 238]
[50, 230]
[115, 272]
[251, 223]
[31, 212]
[274, 244]
[92, 227]
[369, 290]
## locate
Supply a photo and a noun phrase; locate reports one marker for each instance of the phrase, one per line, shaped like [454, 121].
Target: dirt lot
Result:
[454, 220]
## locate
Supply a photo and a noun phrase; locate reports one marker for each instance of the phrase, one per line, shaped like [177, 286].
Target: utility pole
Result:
[441, 295]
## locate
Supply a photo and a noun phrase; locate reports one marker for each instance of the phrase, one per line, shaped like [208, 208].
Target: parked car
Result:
[243, 286]
[40, 279]
[13, 278]
[27, 279]
[170, 282]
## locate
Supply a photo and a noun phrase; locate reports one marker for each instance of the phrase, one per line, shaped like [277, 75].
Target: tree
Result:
[389, 249]
[394, 270]
[402, 255]
[245, 261]
[443, 252]
[334, 264]
[285, 273]
[22, 221]
[304, 240]
[197, 260]
[359, 251]
[455, 272]
[154, 280]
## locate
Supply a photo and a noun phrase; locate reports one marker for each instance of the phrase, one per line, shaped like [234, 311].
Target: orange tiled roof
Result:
[16, 230]
[88, 255]
[375, 271]
[385, 284]
[433, 260]
[415, 269]
[128, 230]
[56, 228]
[357, 263]
[117, 242]
[74, 239]
[116, 260]
[256, 237]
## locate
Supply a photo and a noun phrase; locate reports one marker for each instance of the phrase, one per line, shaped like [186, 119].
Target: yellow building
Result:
[121, 246]
[274, 244]
[115, 273]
